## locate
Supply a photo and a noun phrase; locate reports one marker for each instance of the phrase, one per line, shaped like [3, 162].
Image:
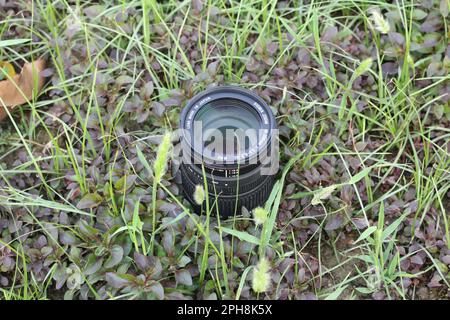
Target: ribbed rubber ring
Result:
[225, 205]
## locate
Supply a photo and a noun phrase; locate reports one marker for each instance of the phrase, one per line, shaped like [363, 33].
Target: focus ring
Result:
[246, 183]
[226, 204]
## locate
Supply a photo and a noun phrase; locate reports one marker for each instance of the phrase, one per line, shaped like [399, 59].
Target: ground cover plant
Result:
[90, 202]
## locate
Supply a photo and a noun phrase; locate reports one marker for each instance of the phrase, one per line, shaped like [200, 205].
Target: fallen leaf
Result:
[8, 69]
[20, 88]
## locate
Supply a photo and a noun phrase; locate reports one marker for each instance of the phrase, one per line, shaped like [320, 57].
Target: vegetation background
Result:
[91, 209]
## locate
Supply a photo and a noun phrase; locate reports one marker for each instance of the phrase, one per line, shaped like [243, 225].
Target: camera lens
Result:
[230, 133]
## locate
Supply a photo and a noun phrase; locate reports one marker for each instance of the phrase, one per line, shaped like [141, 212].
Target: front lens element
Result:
[224, 123]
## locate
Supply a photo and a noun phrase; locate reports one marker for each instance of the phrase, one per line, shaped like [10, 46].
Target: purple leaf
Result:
[197, 5]
[303, 57]
[406, 282]
[334, 223]
[212, 68]
[68, 237]
[41, 242]
[430, 25]
[141, 261]
[183, 277]
[121, 80]
[329, 34]
[143, 116]
[86, 229]
[389, 68]
[170, 102]
[148, 89]
[118, 280]
[301, 275]
[158, 290]
[60, 276]
[272, 48]
[127, 181]
[115, 258]
[93, 265]
[360, 223]
[167, 242]
[94, 11]
[446, 259]
[158, 109]
[435, 281]
[46, 72]
[416, 259]
[378, 295]
[309, 296]
[398, 38]
[89, 201]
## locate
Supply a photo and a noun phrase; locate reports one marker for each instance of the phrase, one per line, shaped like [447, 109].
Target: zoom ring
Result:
[226, 204]
[230, 187]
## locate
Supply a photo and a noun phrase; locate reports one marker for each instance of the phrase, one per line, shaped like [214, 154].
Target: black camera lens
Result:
[230, 133]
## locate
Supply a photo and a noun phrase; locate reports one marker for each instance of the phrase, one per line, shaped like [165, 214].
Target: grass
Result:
[384, 165]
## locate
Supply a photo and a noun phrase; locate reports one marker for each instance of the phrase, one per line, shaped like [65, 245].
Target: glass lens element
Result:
[227, 127]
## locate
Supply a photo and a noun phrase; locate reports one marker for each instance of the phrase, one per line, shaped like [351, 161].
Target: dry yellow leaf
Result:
[20, 88]
[8, 68]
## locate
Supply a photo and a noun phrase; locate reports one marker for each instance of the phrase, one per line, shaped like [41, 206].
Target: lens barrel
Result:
[228, 140]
